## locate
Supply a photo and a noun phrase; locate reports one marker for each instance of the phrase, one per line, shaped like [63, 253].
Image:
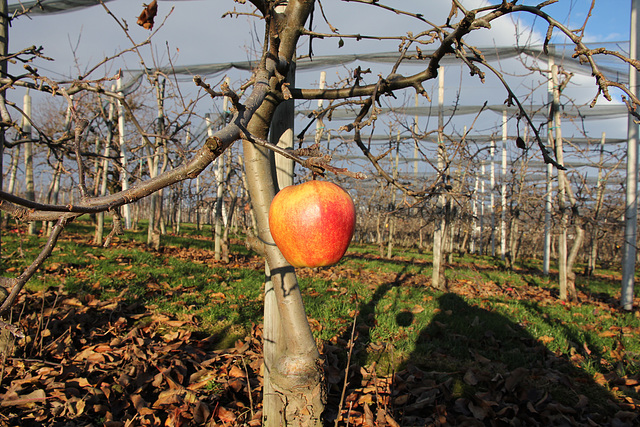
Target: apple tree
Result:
[294, 391]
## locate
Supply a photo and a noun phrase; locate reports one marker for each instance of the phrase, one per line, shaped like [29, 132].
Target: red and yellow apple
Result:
[312, 223]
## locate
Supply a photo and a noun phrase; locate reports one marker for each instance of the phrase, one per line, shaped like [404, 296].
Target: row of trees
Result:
[477, 211]
[140, 154]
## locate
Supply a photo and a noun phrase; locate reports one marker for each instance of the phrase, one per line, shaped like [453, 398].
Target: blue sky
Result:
[194, 34]
[195, 30]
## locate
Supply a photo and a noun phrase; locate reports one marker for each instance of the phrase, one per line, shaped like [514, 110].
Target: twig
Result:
[318, 164]
[346, 371]
[44, 362]
[512, 97]
[246, 372]
[20, 281]
[15, 331]
[46, 326]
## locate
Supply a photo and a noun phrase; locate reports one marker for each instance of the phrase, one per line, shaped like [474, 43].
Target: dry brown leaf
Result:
[225, 415]
[368, 417]
[470, 377]
[391, 421]
[168, 397]
[200, 412]
[515, 378]
[236, 372]
[417, 309]
[479, 412]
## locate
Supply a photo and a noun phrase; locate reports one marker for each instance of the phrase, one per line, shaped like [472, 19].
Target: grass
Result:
[510, 318]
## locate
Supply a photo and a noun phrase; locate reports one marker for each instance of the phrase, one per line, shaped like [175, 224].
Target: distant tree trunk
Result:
[28, 158]
[227, 228]
[572, 257]
[153, 236]
[54, 192]
[13, 171]
[155, 208]
[391, 237]
[440, 224]
[198, 204]
[254, 225]
[514, 233]
[566, 278]
[217, 219]
[450, 232]
[595, 228]
[104, 176]
[220, 184]
[379, 232]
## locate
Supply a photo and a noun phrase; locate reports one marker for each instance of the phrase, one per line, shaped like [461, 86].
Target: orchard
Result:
[167, 128]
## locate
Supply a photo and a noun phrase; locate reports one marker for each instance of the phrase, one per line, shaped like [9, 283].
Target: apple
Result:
[312, 223]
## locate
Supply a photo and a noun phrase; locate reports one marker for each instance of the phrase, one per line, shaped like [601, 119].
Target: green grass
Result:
[510, 318]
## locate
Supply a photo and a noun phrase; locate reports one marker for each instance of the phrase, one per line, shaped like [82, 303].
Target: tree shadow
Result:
[472, 366]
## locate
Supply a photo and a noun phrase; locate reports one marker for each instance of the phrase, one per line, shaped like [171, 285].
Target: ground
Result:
[478, 354]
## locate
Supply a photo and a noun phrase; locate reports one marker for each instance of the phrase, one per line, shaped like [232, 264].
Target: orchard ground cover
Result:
[130, 336]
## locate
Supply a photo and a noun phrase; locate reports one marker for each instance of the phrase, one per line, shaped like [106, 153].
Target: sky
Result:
[194, 33]
[191, 32]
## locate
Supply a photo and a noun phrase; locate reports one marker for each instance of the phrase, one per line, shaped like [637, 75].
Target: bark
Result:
[595, 228]
[227, 228]
[566, 278]
[13, 171]
[294, 388]
[99, 232]
[28, 159]
[54, 193]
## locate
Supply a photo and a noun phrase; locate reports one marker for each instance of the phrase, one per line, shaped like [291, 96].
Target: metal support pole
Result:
[546, 260]
[503, 213]
[440, 221]
[492, 202]
[631, 199]
[126, 209]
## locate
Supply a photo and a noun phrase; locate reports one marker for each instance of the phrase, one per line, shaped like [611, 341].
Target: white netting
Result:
[40, 7]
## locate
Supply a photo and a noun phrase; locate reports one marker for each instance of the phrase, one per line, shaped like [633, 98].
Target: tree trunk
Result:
[13, 171]
[294, 390]
[571, 260]
[99, 232]
[54, 194]
[153, 161]
[566, 284]
[595, 228]
[379, 233]
[28, 158]
[227, 228]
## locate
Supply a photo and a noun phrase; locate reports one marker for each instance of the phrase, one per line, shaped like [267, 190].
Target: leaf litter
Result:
[113, 363]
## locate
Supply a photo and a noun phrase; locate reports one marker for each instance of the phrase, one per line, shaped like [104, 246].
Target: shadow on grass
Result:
[472, 366]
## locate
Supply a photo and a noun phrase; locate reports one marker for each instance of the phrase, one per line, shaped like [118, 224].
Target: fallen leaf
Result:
[225, 415]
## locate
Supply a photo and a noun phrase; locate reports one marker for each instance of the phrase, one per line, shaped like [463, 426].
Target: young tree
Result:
[294, 392]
